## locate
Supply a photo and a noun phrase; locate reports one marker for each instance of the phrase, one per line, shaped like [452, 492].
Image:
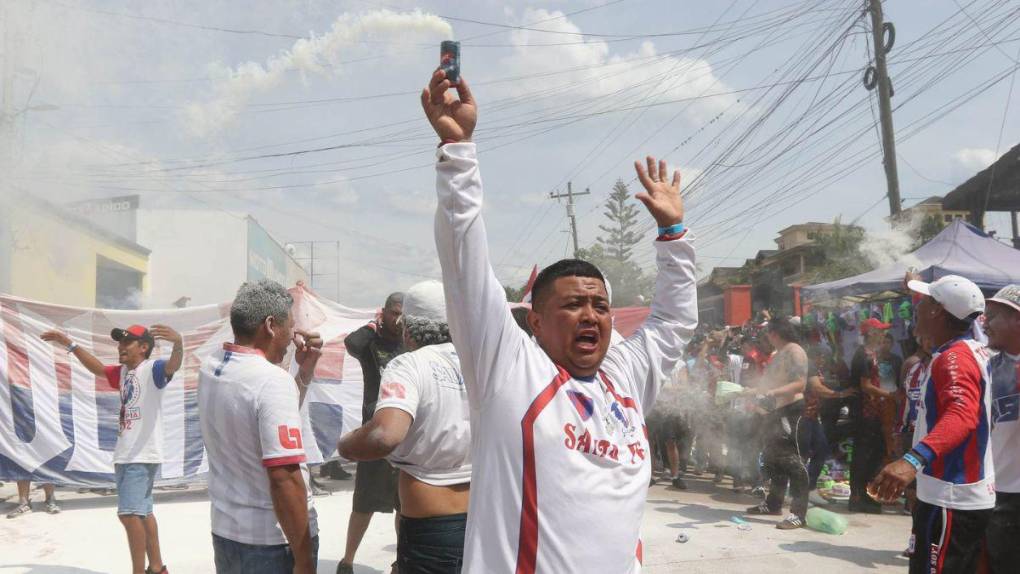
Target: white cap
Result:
[960, 296]
[795, 321]
[425, 300]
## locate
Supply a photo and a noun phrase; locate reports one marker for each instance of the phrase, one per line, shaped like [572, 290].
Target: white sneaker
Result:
[816, 499]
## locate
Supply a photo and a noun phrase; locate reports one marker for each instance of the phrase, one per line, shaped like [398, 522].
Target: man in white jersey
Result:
[422, 426]
[139, 450]
[559, 453]
[263, 521]
[1002, 325]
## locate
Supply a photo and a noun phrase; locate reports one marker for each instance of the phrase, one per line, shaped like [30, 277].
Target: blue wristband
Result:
[675, 229]
[914, 461]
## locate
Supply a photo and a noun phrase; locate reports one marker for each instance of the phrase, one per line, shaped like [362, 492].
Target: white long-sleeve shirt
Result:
[560, 465]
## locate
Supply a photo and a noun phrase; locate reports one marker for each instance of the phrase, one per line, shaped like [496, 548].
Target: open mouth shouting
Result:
[586, 341]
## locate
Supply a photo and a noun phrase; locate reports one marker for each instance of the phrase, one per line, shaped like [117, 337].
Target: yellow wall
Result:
[54, 260]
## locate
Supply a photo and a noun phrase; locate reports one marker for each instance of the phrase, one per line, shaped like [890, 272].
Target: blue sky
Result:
[759, 102]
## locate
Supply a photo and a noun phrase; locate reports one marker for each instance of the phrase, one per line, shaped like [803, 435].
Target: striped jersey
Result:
[250, 422]
[912, 391]
[953, 428]
[1005, 372]
[560, 464]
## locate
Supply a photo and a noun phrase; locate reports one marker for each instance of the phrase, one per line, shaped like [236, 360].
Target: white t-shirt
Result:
[561, 465]
[1005, 372]
[140, 435]
[250, 422]
[427, 385]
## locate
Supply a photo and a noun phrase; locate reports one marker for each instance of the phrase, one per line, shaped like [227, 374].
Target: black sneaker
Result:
[679, 483]
[791, 522]
[764, 509]
[344, 568]
[338, 473]
[864, 507]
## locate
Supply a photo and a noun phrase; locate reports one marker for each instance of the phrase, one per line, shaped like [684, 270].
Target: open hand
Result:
[162, 332]
[453, 118]
[56, 337]
[892, 481]
[661, 196]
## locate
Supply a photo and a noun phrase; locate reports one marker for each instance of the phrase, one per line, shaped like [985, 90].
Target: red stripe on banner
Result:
[527, 545]
[640, 552]
[64, 377]
[17, 354]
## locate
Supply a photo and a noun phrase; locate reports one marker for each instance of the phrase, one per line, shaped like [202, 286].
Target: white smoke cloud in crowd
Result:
[674, 77]
[319, 55]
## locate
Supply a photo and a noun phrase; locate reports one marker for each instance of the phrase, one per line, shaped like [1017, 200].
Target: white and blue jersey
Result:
[1005, 372]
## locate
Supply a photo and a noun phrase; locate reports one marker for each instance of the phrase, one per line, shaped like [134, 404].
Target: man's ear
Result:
[270, 324]
[534, 321]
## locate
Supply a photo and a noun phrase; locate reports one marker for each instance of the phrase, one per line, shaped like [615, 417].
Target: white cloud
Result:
[412, 202]
[661, 78]
[975, 159]
[318, 55]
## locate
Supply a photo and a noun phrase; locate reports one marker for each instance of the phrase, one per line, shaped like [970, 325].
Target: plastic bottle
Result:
[824, 521]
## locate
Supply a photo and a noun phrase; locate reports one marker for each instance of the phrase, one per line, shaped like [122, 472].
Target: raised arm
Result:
[308, 349]
[483, 330]
[648, 356]
[162, 332]
[87, 359]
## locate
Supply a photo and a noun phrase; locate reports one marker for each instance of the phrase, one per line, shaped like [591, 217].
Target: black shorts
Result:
[375, 487]
[947, 541]
[1004, 534]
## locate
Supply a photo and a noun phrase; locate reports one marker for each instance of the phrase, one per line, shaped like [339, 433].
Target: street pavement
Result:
[85, 538]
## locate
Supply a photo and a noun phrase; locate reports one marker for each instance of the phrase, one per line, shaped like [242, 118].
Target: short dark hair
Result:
[152, 345]
[782, 327]
[394, 299]
[562, 268]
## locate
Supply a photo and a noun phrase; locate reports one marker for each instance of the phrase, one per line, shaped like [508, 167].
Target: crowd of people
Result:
[526, 442]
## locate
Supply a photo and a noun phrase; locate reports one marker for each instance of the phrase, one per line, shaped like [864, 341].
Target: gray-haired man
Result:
[422, 426]
[262, 515]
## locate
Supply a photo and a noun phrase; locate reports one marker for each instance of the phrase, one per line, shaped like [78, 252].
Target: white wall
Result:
[195, 253]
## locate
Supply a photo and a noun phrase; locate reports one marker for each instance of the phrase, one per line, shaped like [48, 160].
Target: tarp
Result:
[58, 422]
[959, 249]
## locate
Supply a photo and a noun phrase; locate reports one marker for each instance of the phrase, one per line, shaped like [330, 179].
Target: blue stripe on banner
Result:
[327, 426]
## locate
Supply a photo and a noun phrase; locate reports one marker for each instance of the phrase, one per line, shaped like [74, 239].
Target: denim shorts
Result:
[134, 488]
[239, 558]
[431, 545]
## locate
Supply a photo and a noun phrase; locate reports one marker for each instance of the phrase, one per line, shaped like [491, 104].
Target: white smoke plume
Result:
[318, 55]
[894, 245]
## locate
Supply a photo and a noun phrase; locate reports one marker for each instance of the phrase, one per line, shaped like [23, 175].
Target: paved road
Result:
[87, 539]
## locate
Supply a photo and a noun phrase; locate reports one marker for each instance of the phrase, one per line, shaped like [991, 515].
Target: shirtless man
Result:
[784, 435]
[422, 426]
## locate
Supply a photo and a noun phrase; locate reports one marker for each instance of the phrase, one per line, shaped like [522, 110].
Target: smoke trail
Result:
[319, 55]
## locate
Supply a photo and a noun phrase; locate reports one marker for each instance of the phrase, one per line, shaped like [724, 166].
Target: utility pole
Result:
[570, 210]
[878, 76]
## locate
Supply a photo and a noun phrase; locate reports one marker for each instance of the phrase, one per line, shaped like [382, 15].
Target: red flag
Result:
[526, 297]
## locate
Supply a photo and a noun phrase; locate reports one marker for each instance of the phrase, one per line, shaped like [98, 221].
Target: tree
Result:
[929, 228]
[841, 251]
[514, 294]
[630, 285]
[622, 232]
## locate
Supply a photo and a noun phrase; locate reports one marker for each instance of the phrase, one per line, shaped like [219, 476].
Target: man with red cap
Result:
[1002, 325]
[873, 405]
[951, 458]
[139, 450]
